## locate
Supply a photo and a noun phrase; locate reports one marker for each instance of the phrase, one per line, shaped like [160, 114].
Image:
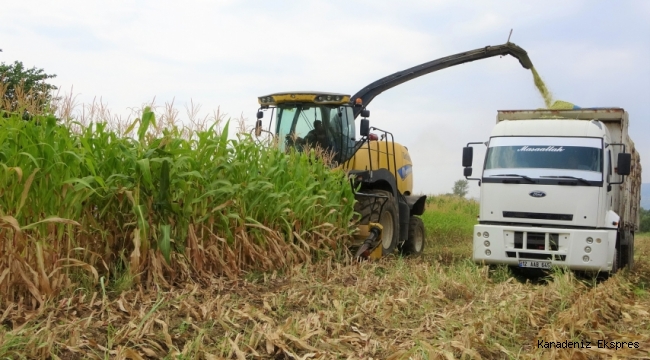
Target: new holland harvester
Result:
[380, 169]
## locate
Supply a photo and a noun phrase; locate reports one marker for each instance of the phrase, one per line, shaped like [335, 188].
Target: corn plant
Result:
[161, 206]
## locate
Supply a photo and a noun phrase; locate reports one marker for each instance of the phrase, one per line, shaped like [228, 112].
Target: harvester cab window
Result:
[341, 131]
[302, 125]
[329, 127]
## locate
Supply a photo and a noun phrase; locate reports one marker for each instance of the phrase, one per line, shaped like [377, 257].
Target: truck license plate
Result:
[535, 264]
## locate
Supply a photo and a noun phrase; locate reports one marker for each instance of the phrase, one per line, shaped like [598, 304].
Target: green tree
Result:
[460, 188]
[23, 87]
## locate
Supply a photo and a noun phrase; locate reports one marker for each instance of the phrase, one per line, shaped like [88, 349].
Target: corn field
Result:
[159, 207]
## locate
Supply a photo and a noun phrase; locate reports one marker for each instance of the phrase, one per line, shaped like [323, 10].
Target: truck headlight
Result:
[590, 240]
[585, 258]
[486, 234]
[587, 249]
[488, 252]
[486, 243]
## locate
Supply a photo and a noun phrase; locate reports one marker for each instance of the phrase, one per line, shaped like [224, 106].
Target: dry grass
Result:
[392, 309]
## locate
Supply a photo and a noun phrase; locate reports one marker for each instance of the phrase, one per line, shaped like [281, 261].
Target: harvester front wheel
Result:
[414, 244]
[389, 217]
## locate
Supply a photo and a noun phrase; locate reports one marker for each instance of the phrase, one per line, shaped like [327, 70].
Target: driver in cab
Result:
[317, 137]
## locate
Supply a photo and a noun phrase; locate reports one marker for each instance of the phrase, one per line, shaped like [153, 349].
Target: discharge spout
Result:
[368, 93]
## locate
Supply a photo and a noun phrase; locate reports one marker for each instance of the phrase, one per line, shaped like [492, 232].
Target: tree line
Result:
[644, 226]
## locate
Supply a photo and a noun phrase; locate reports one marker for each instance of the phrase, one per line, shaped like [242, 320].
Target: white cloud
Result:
[226, 53]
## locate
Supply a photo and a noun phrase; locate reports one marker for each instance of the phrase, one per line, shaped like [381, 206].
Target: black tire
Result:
[617, 261]
[414, 244]
[389, 218]
[627, 252]
[630, 252]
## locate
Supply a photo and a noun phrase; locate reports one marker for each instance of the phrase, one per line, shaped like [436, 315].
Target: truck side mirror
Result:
[365, 113]
[624, 164]
[468, 156]
[364, 127]
[467, 172]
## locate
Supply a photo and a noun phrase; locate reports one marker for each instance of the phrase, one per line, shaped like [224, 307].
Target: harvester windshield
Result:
[307, 120]
[329, 127]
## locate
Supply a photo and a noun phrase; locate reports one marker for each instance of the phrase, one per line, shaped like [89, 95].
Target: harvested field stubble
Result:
[392, 309]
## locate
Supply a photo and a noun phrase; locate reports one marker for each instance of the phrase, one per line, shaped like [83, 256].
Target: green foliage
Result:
[221, 205]
[449, 218]
[460, 188]
[644, 226]
[21, 86]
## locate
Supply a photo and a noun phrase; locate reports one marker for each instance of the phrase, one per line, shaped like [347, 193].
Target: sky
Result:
[223, 54]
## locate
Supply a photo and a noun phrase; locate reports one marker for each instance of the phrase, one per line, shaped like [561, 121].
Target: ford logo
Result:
[537, 194]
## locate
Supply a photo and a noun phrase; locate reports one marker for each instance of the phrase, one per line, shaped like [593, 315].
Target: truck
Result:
[558, 188]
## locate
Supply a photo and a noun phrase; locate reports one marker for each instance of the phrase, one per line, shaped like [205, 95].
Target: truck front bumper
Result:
[577, 249]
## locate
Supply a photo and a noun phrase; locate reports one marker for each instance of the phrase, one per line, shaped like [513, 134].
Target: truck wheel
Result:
[628, 251]
[630, 264]
[389, 218]
[617, 261]
[414, 244]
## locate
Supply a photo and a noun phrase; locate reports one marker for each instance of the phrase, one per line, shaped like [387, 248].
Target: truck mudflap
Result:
[576, 249]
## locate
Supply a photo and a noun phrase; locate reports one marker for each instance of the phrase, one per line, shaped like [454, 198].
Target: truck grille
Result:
[525, 240]
[536, 241]
[538, 216]
[536, 256]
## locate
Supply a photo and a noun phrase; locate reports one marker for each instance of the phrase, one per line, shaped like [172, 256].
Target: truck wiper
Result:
[521, 176]
[569, 177]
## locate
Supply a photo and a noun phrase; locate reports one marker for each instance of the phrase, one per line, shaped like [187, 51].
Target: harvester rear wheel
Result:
[414, 244]
[389, 218]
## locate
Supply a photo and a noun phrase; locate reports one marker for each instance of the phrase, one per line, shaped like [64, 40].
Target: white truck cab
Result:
[558, 187]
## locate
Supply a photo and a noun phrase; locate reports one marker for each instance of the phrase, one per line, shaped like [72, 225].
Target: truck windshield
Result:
[545, 156]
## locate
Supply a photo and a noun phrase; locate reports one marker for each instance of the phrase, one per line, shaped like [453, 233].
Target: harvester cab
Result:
[313, 120]
[378, 167]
